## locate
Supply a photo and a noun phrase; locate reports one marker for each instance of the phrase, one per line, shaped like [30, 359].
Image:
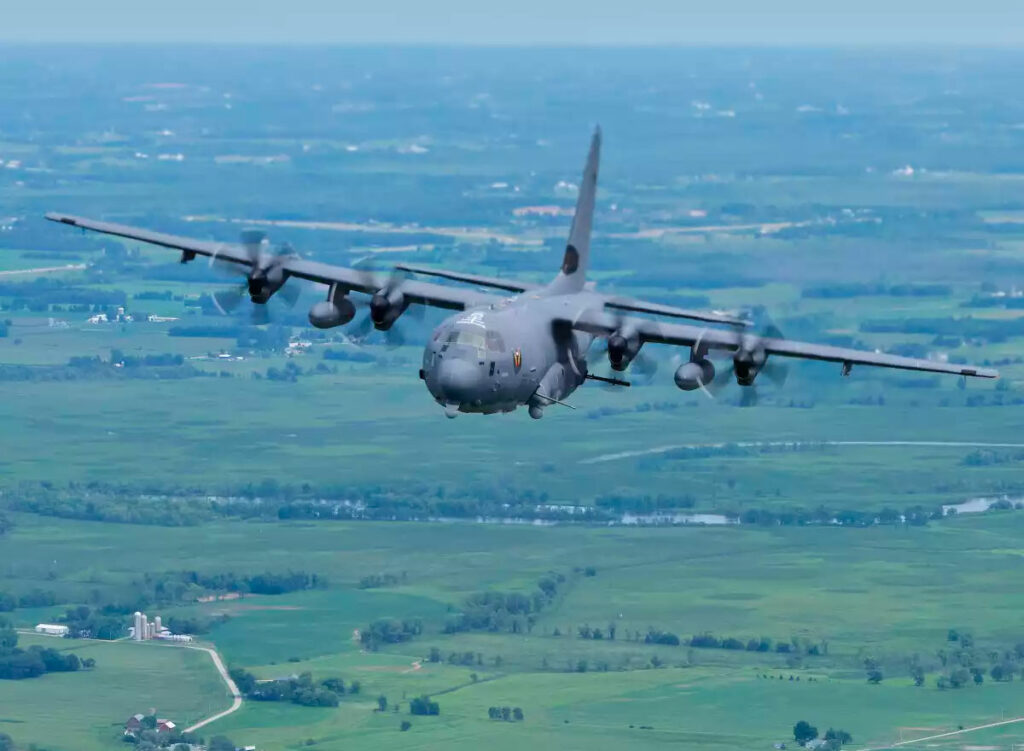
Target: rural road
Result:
[218, 663]
[946, 735]
[757, 444]
[236, 704]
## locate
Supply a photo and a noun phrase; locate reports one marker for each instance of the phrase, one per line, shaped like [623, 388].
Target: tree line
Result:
[301, 689]
[168, 505]
[513, 612]
[19, 664]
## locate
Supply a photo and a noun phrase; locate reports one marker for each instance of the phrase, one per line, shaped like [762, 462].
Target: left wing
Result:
[604, 325]
[424, 293]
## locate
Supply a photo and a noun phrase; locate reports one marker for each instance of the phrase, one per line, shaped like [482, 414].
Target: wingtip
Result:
[55, 216]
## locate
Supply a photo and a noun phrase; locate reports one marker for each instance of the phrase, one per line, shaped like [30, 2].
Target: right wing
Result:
[642, 306]
[424, 293]
[482, 281]
[604, 325]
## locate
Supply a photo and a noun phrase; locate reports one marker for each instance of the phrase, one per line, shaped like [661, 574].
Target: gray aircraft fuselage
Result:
[499, 357]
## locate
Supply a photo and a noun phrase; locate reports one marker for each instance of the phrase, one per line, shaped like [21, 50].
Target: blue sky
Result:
[771, 22]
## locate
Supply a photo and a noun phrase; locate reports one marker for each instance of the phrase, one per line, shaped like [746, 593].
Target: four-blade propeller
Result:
[263, 278]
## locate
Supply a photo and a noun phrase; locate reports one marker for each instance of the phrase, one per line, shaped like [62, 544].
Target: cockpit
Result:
[477, 338]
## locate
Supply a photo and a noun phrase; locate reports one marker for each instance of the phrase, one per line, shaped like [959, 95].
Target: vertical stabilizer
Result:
[573, 274]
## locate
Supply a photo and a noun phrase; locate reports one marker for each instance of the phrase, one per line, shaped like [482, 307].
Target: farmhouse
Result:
[134, 724]
[165, 726]
[139, 722]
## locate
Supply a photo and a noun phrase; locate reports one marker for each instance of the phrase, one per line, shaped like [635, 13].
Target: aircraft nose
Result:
[457, 380]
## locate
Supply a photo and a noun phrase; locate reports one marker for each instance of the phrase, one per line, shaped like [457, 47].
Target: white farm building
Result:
[52, 629]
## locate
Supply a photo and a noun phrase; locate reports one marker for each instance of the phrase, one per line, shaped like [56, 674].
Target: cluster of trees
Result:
[643, 504]
[36, 598]
[345, 355]
[300, 690]
[845, 290]
[45, 293]
[963, 663]
[206, 330]
[708, 640]
[84, 622]
[189, 586]
[422, 705]
[505, 714]
[376, 581]
[17, 664]
[586, 631]
[390, 631]
[990, 329]
[804, 732]
[913, 515]
[505, 611]
[107, 503]
[118, 366]
[165, 360]
[980, 458]
[462, 658]
[266, 583]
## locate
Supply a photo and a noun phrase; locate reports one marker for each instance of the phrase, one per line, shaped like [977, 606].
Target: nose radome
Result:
[457, 380]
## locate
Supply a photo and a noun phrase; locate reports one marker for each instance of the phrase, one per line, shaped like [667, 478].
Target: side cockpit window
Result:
[495, 342]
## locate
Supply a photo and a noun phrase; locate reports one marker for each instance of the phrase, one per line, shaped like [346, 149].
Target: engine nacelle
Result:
[747, 363]
[385, 307]
[263, 283]
[623, 346]
[692, 375]
[327, 314]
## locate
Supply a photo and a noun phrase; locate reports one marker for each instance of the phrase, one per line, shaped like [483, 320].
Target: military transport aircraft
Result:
[500, 352]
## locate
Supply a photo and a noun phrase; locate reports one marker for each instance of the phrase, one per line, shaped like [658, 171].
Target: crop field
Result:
[885, 592]
[92, 706]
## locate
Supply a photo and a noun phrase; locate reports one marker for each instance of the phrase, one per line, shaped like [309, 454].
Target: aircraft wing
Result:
[225, 251]
[604, 324]
[424, 293]
[482, 281]
[641, 306]
[614, 302]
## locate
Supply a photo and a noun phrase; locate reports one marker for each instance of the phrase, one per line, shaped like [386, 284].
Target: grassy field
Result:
[181, 684]
[884, 592]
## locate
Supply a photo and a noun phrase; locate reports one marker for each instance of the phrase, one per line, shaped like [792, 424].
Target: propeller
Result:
[749, 362]
[263, 278]
[385, 308]
[615, 350]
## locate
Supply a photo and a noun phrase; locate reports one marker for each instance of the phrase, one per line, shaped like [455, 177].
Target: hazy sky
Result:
[773, 22]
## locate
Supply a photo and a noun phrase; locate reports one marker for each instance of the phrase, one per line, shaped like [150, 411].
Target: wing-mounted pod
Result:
[336, 310]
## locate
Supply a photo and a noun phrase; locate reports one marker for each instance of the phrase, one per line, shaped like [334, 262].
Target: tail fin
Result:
[573, 275]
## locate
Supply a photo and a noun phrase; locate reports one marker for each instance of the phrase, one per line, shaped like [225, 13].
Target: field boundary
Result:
[949, 734]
